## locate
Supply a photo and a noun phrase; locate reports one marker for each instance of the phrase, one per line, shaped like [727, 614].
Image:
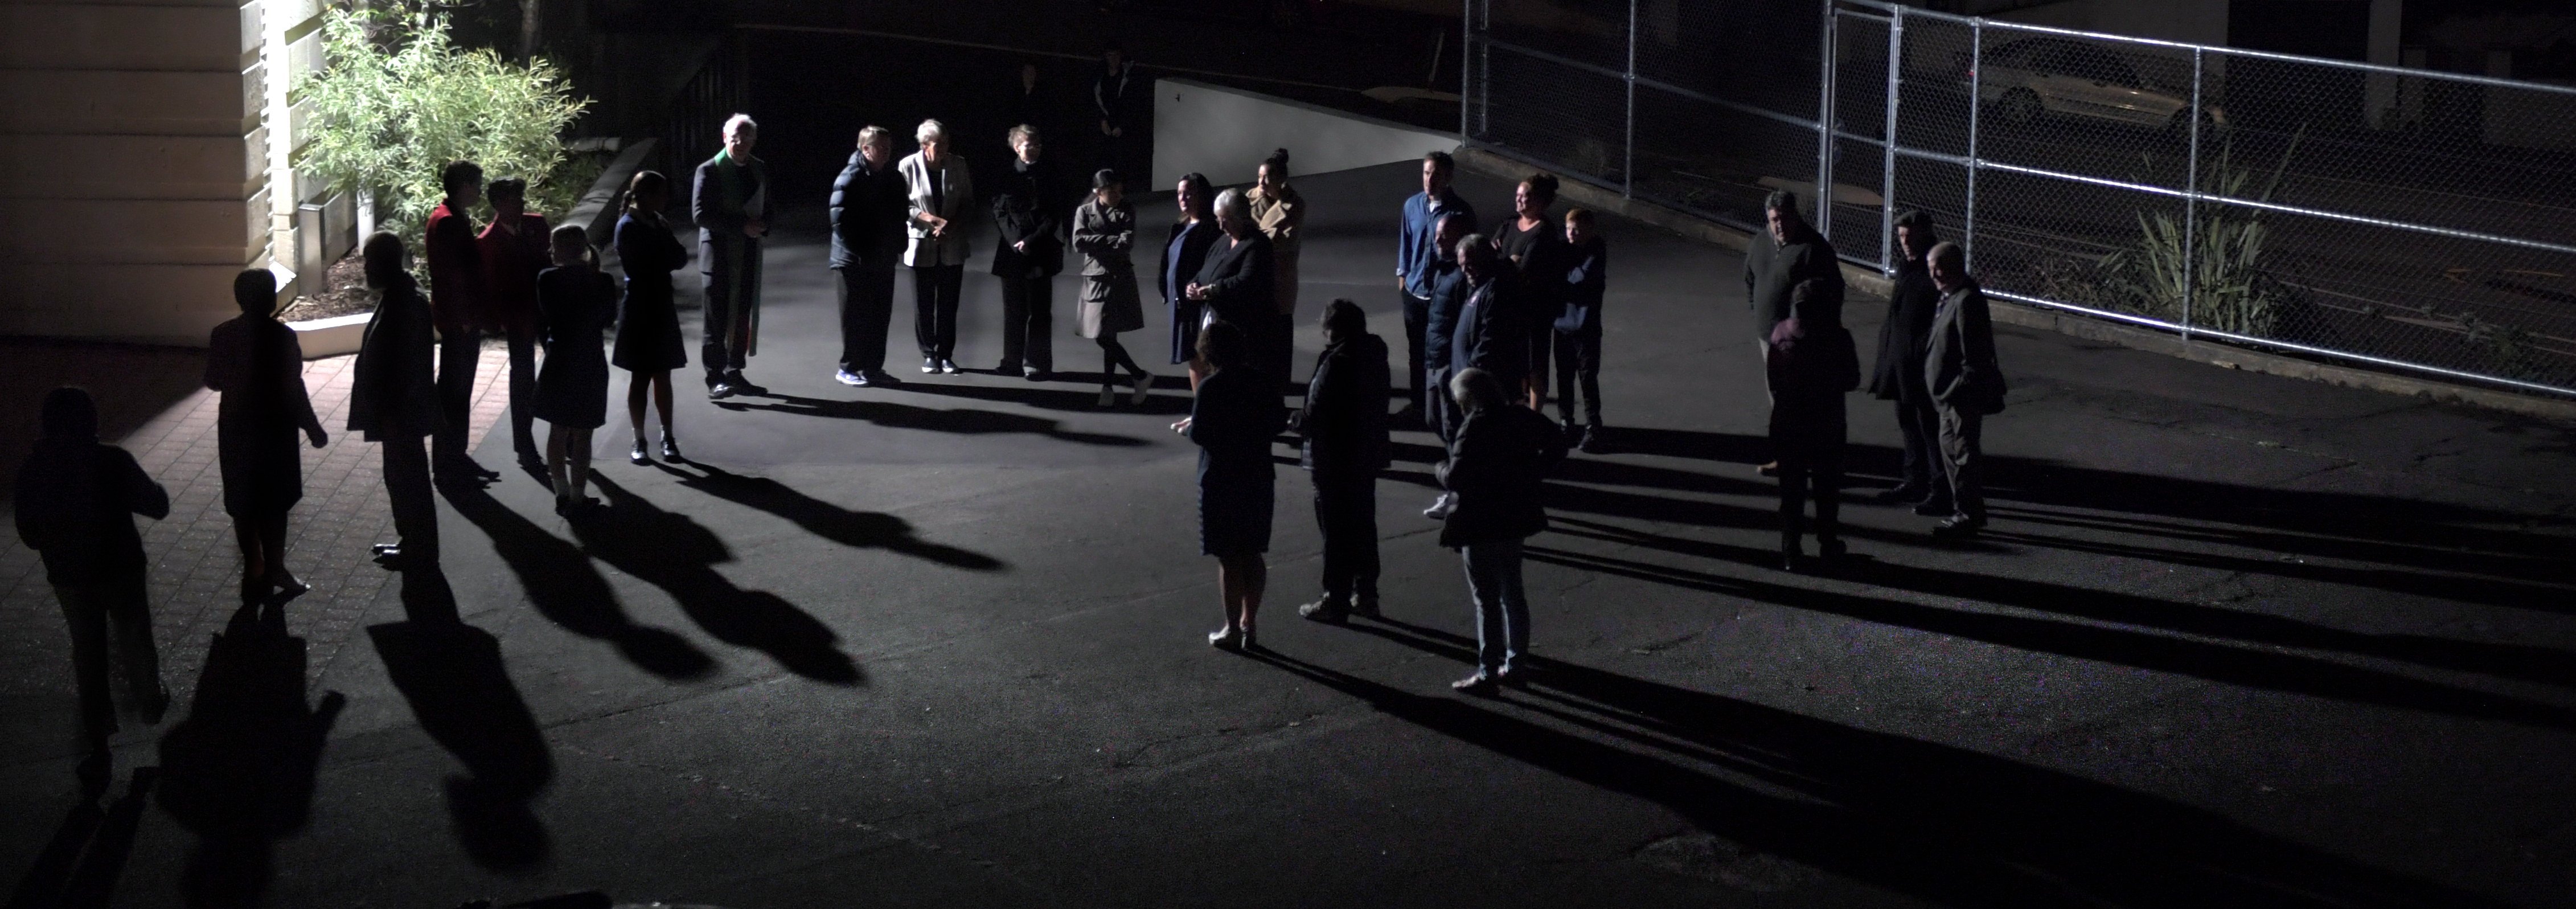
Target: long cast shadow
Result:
[565, 588]
[1933, 821]
[2513, 661]
[679, 555]
[82, 862]
[906, 416]
[239, 771]
[1058, 398]
[855, 529]
[452, 675]
[2231, 665]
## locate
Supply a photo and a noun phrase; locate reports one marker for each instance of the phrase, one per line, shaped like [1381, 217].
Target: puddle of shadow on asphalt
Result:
[452, 675]
[1941, 823]
[673, 552]
[906, 416]
[239, 771]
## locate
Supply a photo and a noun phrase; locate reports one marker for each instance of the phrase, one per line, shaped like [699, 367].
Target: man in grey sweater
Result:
[1795, 253]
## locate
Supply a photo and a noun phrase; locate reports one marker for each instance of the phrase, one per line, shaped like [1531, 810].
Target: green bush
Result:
[397, 101]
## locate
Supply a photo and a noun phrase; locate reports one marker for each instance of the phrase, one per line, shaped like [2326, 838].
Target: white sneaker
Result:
[1440, 507]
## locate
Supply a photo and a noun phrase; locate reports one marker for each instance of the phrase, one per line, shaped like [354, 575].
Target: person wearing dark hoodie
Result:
[76, 500]
[1812, 363]
[1345, 427]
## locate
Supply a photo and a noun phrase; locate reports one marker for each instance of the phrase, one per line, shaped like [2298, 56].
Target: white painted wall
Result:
[1225, 132]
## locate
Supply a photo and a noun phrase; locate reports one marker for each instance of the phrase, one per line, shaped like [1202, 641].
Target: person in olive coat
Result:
[1495, 467]
[1898, 374]
[1029, 208]
[1811, 365]
[1345, 427]
[1104, 231]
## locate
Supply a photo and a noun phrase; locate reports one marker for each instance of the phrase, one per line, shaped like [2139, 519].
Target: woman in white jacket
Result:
[943, 193]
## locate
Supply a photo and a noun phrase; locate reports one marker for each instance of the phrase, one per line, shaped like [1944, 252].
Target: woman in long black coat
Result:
[574, 303]
[1184, 252]
[1236, 284]
[1812, 364]
[256, 364]
[1233, 418]
[648, 323]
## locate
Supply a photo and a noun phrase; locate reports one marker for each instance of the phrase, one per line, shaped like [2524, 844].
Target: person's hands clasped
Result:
[938, 225]
[1195, 291]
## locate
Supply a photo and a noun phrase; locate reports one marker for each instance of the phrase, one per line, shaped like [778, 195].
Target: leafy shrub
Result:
[398, 101]
[2232, 288]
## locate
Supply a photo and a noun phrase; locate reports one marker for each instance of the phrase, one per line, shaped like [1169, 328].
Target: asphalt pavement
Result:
[2233, 640]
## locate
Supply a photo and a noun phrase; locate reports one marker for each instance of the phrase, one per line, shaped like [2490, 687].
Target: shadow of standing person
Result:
[568, 590]
[240, 769]
[856, 529]
[80, 865]
[679, 555]
[452, 675]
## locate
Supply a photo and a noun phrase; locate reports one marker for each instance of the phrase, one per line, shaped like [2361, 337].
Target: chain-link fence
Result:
[2405, 218]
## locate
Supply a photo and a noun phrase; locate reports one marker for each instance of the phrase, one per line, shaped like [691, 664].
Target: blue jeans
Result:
[1502, 609]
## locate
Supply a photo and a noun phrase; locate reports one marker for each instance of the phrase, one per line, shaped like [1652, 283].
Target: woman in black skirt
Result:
[648, 327]
[258, 367]
[574, 304]
[1233, 419]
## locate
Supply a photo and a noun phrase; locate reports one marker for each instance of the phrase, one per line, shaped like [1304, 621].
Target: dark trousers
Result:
[523, 392]
[934, 308]
[1542, 343]
[1028, 324]
[1346, 513]
[867, 306]
[1963, 460]
[459, 349]
[1275, 349]
[93, 610]
[414, 503]
[1440, 413]
[1802, 476]
[727, 344]
[1417, 320]
[1920, 423]
[1578, 362]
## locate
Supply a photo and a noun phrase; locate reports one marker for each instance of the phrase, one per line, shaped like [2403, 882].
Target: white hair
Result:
[739, 121]
[1234, 202]
[928, 130]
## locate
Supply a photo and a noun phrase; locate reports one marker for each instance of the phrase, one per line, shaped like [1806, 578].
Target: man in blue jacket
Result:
[1417, 248]
[869, 202]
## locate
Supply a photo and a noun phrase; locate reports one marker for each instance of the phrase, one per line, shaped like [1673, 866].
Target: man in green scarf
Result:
[730, 202]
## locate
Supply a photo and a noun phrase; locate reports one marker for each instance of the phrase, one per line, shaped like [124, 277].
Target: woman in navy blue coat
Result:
[1233, 418]
[648, 324]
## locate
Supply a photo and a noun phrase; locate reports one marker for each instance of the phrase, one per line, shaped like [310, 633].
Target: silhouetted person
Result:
[1185, 251]
[729, 200]
[1029, 102]
[1417, 249]
[394, 401]
[77, 498]
[1029, 209]
[255, 363]
[1534, 245]
[1795, 253]
[1966, 384]
[1811, 365]
[1492, 333]
[1495, 467]
[513, 248]
[1235, 284]
[459, 307]
[1898, 375]
[1233, 418]
[648, 321]
[1104, 231]
[1577, 330]
[869, 206]
[1345, 427]
[575, 304]
[940, 192]
[1280, 213]
[1121, 103]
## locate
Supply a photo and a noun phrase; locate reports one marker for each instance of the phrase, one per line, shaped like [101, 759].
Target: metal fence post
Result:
[1887, 189]
[2191, 202]
[1485, 71]
[1628, 169]
[1824, 216]
[1466, 70]
[1976, 100]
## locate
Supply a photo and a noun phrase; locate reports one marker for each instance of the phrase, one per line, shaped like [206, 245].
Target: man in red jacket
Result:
[456, 303]
[514, 249]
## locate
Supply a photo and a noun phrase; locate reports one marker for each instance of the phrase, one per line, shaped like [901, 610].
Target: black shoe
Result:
[1595, 440]
[1791, 554]
[929, 364]
[949, 367]
[1771, 469]
[1040, 375]
[1327, 609]
[1831, 549]
[879, 377]
[1959, 526]
[402, 559]
[721, 391]
[1934, 508]
[93, 772]
[1907, 493]
[742, 385]
[1366, 605]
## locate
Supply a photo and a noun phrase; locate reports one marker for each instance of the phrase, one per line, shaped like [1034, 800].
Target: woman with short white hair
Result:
[942, 193]
[1237, 284]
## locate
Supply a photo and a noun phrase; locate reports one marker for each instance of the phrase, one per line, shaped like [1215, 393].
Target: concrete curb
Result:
[2226, 356]
[331, 337]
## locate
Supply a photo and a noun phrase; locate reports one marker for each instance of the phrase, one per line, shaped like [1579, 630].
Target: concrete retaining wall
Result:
[1225, 132]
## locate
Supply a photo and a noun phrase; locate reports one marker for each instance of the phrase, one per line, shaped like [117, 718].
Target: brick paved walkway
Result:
[196, 571]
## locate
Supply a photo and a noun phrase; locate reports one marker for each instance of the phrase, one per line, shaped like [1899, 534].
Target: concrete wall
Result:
[1225, 132]
[133, 165]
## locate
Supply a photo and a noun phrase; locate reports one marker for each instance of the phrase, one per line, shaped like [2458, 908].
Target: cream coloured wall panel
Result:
[153, 103]
[134, 167]
[64, 36]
